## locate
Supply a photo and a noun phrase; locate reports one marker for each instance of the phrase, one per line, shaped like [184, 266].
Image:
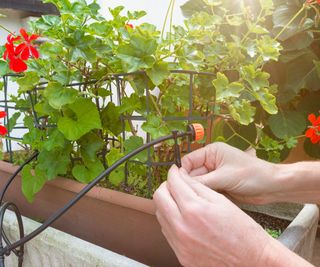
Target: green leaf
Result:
[248, 134]
[55, 140]
[54, 162]
[267, 100]
[285, 13]
[133, 143]
[242, 111]
[58, 95]
[258, 29]
[158, 73]
[133, 63]
[90, 144]
[110, 118]
[118, 175]
[13, 121]
[155, 126]
[87, 172]
[268, 48]
[84, 118]
[28, 81]
[138, 54]
[4, 68]
[224, 89]
[32, 181]
[287, 124]
[255, 77]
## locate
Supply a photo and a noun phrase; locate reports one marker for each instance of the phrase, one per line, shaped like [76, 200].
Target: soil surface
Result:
[269, 222]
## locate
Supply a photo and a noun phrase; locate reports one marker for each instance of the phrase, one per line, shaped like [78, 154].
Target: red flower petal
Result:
[310, 132]
[23, 51]
[24, 34]
[33, 37]
[3, 130]
[312, 118]
[11, 38]
[25, 54]
[2, 114]
[34, 52]
[315, 139]
[17, 65]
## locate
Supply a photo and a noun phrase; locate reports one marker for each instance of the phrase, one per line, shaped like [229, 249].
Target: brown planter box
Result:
[120, 222]
[127, 224]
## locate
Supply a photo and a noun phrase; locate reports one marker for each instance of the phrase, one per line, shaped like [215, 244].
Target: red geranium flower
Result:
[314, 131]
[26, 49]
[17, 55]
[3, 130]
[15, 62]
[131, 25]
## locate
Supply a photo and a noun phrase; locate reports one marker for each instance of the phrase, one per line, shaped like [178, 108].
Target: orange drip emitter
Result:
[196, 133]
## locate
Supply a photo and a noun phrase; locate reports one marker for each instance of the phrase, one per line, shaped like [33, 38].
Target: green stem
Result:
[6, 29]
[171, 19]
[290, 21]
[155, 106]
[166, 18]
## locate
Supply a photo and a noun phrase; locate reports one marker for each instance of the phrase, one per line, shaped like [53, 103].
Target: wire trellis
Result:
[118, 87]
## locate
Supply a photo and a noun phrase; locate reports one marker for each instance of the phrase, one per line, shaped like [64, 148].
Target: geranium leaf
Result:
[155, 126]
[28, 81]
[54, 162]
[158, 73]
[242, 111]
[32, 181]
[58, 95]
[87, 172]
[287, 124]
[84, 118]
[133, 143]
[118, 175]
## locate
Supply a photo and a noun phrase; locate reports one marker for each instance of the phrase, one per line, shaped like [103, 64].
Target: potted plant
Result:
[94, 77]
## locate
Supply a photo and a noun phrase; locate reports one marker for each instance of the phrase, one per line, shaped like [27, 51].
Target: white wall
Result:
[156, 10]
[12, 21]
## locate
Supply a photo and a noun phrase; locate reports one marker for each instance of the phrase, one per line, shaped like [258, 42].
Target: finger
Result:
[200, 171]
[165, 204]
[202, 190]
[196, 159]
[179, 189]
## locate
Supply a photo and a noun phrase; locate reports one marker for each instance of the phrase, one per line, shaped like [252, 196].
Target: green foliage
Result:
[264, 62]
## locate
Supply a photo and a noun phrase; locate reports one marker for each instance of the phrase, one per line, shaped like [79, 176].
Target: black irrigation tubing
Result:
[6, 250]
[18, 252]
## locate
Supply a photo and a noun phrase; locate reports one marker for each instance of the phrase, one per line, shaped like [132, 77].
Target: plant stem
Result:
[155, 105]
[6, 29]
[166, 18]
[290, 21]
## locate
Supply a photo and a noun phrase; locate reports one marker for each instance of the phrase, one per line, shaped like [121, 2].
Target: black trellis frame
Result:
[189, 118]
[115, 82]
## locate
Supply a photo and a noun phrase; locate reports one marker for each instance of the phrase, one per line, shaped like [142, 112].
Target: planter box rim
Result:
[99, 193]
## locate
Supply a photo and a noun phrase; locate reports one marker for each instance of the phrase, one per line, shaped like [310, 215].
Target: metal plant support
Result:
[188, 135]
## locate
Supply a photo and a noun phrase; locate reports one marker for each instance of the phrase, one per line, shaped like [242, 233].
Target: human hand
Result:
[226, 169]
[206, 229]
